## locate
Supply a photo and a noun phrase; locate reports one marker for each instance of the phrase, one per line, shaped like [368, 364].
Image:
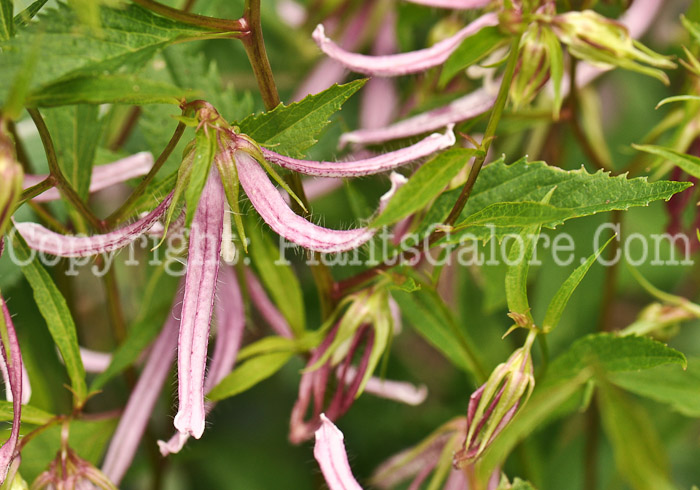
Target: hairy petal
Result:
[453, 4]
[330, 454]
[230, 315]
[200, 286]
[461, 109]
[103, 176]
[14, 368]
[276, 213]
[134, 420]
[47, 241]
[266, 307]
[404, 63]
[370, 166]
[328, 71]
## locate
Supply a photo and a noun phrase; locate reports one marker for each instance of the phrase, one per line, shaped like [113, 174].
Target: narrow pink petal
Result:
[47, 241]
[397, 181]
[317, 187]
[456, 481]
[452, 4]
[328, 71]
[134, 420]
[276, 213]
[26, 387]
[200, 287]
[14, 368]
[380, 97]
[330, 454]
[95, 361]
[266, 307]
[103, 176]
[399, 391]
[369, 166]
[404, 63]
[458, 110]
[230, 316]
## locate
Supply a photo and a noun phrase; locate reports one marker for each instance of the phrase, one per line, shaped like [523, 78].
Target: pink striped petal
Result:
[134, 420]
[230, 315]
[330, 454]
[370, 166]
[47, 241]
[276, 213]
[399, 391]
[404, 63]
[103, 176]
[452, 4]
[458, 110]
[14, 367]
[200, 287]
[328, 71]
[266, 307]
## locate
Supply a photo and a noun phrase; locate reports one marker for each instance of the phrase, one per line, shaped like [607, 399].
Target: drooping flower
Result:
[13, 360]
[404, 63]
[636, 19]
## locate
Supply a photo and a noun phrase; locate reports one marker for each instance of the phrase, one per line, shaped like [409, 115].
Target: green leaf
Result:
[576, 191]
[58, 318]
[156, 302]
[514, 214]
[249, 374]
[204, 151]
[611, 354]
[676, 387]
[107, 89]
[23, 18]
[75, 131]
[430, 317]
[519, 258]
[689, 163]
[427, 183]
[678, 98]
[472, 50]
[30, 415]
[562, 296]
[127, 37]
[638, 450]
[291, 130]
[7, 25]
[278, 278]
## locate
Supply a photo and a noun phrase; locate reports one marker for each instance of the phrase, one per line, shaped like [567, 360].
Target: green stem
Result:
[114, 306]
[254, 45]
[35, 190]
[126, 207]
[489, 134]
[56, 173]
[213, 23]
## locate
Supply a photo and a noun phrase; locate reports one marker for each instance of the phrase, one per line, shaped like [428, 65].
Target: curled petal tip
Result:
[174, 445]
[329, 451]
[319, 35]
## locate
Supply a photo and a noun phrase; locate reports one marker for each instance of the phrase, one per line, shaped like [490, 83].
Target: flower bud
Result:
[533, 65]
[600, 40]
[494, 404]
[10, 182]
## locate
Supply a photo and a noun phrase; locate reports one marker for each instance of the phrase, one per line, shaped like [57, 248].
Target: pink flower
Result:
[330, 454]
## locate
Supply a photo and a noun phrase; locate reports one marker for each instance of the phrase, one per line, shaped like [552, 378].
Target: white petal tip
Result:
[174, 445]
[187, 424]
[319, 35]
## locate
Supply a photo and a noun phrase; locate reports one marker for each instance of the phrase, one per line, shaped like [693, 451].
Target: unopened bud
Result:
[600, 40]
[533, 66]
[10, 182]
[496, 402]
